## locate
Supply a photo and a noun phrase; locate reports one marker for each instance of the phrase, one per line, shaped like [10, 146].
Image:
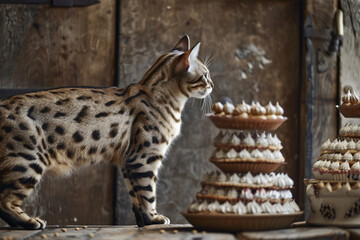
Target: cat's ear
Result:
[183, 45]
[187, 59]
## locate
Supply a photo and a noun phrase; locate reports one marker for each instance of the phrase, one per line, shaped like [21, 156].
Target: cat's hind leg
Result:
[16, 184]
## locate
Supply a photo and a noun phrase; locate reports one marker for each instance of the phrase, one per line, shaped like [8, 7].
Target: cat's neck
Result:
[170, 94]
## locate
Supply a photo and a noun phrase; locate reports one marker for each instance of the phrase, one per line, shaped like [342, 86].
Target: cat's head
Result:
[192, 76]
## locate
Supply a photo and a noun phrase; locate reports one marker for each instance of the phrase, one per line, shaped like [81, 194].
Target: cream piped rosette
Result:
[340, 146]
[350, 131]
[240, 208]
[239, 140]
[245, 155]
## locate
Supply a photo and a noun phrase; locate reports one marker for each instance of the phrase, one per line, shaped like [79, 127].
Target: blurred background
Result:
[260, 52]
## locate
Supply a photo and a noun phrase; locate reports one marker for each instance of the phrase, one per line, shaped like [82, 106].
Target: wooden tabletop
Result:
[174, 231]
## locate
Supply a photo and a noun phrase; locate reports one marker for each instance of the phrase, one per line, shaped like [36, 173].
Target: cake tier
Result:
[350, 106]
[334, 202]
[240, 140]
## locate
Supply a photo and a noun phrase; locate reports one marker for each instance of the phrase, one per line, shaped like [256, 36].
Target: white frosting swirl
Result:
[249, 141]
[279, 109]
[235, 140]
[226, 138]
[355, 166]
[268, 208]
[318, 164]
[261, 193]
[286, 194]
[232, 154]
[239, 208]
[214, 206]
[226, 207]
[268, 155]
[254, 208]
[233, 193]
[257, 154]
[244, 154]
[278, 155]
[234, 178]
[345, 166]
[220, 154]
[341, 145]
[203, 207]
[262, 141]
[357, 156]
[351, 145]
[246, 193]
[248, 178]
[260, 179]
[273, 194]
[347, 156]
[326, 145]
[346, 97]
[334, 166]
[354, 99]
[270, 109]
[222, 177]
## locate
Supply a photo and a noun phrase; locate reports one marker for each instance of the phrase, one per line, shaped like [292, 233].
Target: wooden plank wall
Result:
[350, 52]
[324, 124]
[255, 51]
[44, 47]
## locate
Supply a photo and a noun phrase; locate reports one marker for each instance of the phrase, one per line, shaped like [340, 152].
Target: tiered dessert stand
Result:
[241, 221]
[334, 193]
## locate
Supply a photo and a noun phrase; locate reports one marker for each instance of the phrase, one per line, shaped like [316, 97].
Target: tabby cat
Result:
[59, 130]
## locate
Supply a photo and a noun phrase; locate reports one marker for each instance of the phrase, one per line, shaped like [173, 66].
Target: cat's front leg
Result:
[141, 174]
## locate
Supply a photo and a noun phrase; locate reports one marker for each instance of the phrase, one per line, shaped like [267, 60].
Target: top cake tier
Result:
[350, 106]
[247, 117]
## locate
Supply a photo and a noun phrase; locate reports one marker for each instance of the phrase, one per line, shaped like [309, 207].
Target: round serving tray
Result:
[237, 223]
[251, 123]
[233, 166]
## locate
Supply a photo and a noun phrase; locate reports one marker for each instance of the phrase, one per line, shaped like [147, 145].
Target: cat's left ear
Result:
[187, 59]
[183, 45]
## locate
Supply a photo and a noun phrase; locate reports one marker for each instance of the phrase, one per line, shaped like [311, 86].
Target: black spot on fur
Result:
[113, 132]
[155, 140]
[36, 168]
[114, 125]
[81, 114]
[45, 126]
[140, 147]
[28, 182]
[132, 193]
[150, 200]
[19, 168]
[45, 110]
[153, 159]
[23, 126]
[7, 129]
[59, 114]
[12, 117]
[52, 153]
[102, 114]
[137, 175]
[60, 130]
[143, 156]
[110, 103]
[33, 139]
[133, 166]
[42, 159]
[61, 102]
[51, 139]
[122, 111]
[83, 98]
[12, 155]
[18, 138]
[92, 150]
[69, 154]
[26, 156]
[43, 143]
[143, 188]
[131, 112]
[95, 135]
[10, 146]
[30, 112]
[96, 91]
[147, 144]
[77, 137]
[28, 146]
[103, 150]
[60, 146]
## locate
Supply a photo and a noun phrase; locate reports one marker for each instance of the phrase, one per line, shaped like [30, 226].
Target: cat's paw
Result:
[160, 219]
[33, 224]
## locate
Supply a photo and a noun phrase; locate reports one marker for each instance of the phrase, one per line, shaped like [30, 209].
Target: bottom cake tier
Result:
[213, 221]
[334, 203]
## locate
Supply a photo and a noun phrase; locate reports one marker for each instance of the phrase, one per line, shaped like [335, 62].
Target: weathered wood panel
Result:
[324, 123]
[350, 52]
[255, 51]
[44, 47]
